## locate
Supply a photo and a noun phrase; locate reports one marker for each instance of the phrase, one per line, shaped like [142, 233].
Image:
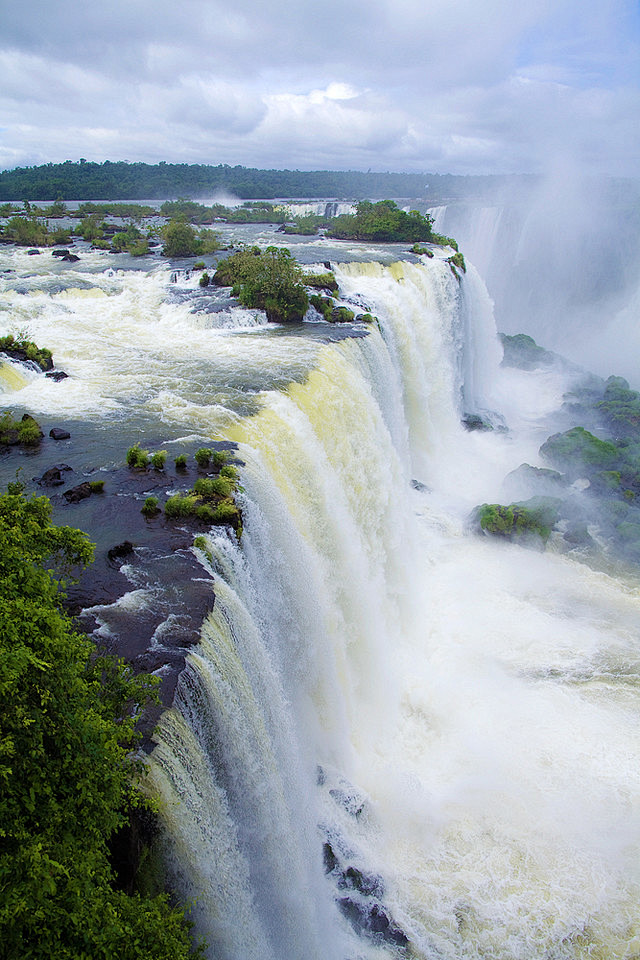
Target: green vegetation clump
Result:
[181, 461]
[456, 262]
[204, 280]
[97, 486]
[68, 768]
[322, 281]
[323, 305]
[150, 507]
[341, 315]
[211, 500]
[130, 241]
[137, 458]
[531, 519]
[203, 457]
[422, 251]
[158, 459]
[268, 280]
[383, 222]
[306, 226]
[181, 240]
[27, 231]
[25, 432]
[19, 348]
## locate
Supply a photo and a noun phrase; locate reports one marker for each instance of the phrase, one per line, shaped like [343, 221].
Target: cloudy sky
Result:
[458, 86]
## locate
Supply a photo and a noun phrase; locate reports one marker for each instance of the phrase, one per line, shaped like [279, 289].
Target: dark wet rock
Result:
[523, 352]
[60, 253]
[33, 253]
[76, 494]
[372, 919]
[53, 476]
[121, 551]
[70, 258]
[368, 885]
[57, 433]
[420, 486]
[352, 803]
[329, 859]
[473, 421]
[57, 375]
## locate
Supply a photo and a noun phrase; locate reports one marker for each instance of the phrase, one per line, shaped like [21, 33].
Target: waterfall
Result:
[381, 738]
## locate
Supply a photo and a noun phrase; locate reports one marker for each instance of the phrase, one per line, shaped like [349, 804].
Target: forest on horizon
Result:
[121, 180]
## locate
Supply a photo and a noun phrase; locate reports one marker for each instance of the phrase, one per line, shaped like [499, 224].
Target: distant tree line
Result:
[121, 180]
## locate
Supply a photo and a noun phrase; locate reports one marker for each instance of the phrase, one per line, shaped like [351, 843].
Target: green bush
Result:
[204, 280]
[203, 456]
[210, 487]
[29, 433]
[268, 280]
[97, 486]
[150, 507]
[181, 461]
[229, 471]
[136, 458]
[158, 459]
[382, 222]
[220, 457]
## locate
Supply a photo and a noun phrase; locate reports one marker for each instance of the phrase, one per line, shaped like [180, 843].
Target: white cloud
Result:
[443, 85]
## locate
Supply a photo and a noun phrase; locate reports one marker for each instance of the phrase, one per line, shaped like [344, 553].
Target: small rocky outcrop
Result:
[57, 433]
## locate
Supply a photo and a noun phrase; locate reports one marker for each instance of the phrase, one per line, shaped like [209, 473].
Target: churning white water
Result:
[395, 738]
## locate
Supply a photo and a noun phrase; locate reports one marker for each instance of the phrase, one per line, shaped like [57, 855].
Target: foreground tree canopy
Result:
[68, 780]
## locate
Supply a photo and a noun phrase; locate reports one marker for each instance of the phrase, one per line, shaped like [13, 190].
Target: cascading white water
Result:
[454, 719]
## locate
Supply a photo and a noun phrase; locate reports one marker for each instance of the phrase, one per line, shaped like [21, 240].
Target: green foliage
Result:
[67, 770]
[422, 251]
[158, 459]
[203, 456]
[150, 507]
[382, 222]
[181, 240]
[109, 181]
[180, 506]
[137, 458]
[130, 241]
[204, 280]
[97, 486]
[323, 281]
[227, 471]
[220, 457]
[341, 315]
[210, 487]
[323, 305]
[25, 431]
[198, 265]
[306, 226]
[268, 280]
[181, 461]
[533, 518]
[90, 228]
[457, 262]
[27, 232]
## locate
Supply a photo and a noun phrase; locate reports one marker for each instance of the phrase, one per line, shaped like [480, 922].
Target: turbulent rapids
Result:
[395, 737]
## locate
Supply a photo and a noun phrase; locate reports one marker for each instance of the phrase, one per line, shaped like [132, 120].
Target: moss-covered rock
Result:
[523, 352]
[530, 521]
[579, 452]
